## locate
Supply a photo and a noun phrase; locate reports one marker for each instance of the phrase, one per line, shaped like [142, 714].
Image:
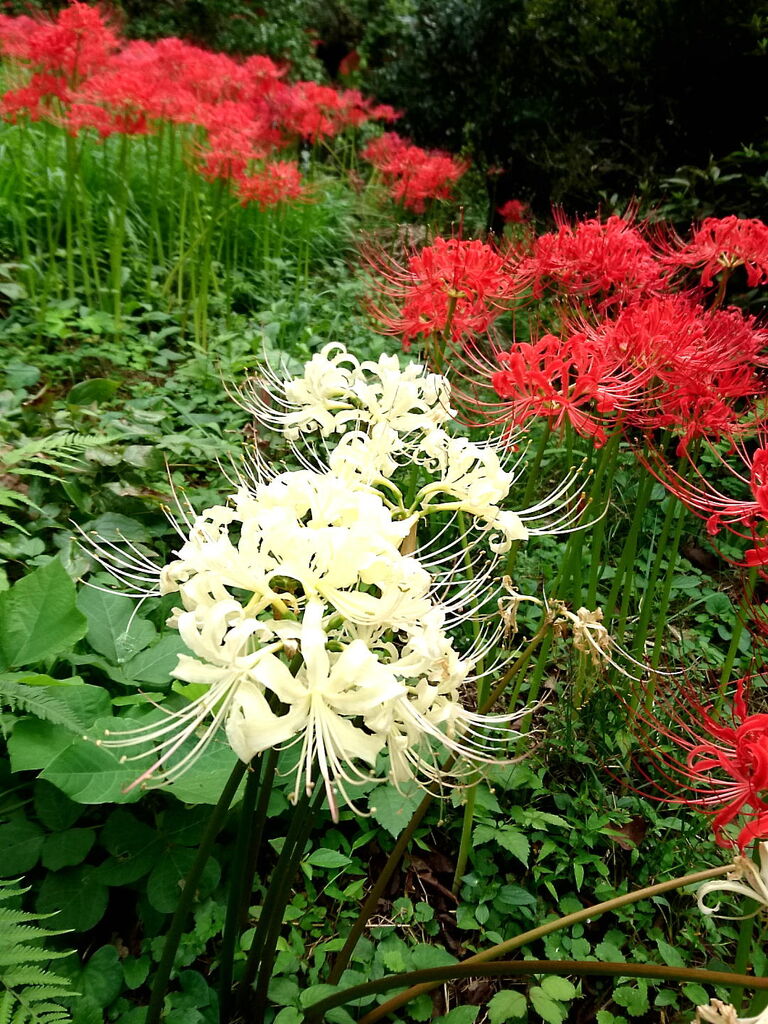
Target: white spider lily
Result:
[746, 879]
[717, 1012]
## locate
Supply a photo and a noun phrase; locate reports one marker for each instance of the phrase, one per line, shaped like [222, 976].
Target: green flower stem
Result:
[661, 618]
[431, 977]
[173, 937]
[482, 686]
[117, 234]
[238, 890]
[466, 835]
[531, 483]
[603, 486]
[625, 568]
[261, 956]
[525, 938]
[744, 944]
[738, 630]
[257, 834]
[662, 547]
[382, 880]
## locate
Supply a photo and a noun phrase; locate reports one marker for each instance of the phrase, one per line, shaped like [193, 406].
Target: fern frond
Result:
[38, 701]
[59, 450]
[28, 990]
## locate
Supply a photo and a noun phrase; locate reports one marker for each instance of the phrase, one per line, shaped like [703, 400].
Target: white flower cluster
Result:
[311, 615]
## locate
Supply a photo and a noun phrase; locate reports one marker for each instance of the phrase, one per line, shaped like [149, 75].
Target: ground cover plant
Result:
[381, 607]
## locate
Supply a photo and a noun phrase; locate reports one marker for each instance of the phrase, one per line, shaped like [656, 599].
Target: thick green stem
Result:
[744, 943]
[172, 939]
[625, 568]
[524, 939]
[238, 891]
[738, 630]
[431, 977]
[261, 956]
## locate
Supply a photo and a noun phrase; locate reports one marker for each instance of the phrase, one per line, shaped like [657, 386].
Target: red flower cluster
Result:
[451, 287]
[75, 71]
[723, 770]
[722, 244]
[414, 175]
[514, 211]
[594, 257]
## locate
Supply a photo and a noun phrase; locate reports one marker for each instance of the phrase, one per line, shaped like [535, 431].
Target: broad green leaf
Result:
[697, 994]
[558, 988]
[393, 810]
[155, 664]
[135, 970]
[92, 775]
[204, 781]
[34, 744]
[53, 809]
[102, 977]
[97, 389]
[323, 858]
[38, 617]
[167, 878]
[507, 1005]
[20, 842]
[552, 1012]
[425, 955]
[135, 848]
[669, 954]
[284, 991]
[114, 629]
[508, 838]
[459, 1015]
[634, 999]
[65, 849]
[76, 894]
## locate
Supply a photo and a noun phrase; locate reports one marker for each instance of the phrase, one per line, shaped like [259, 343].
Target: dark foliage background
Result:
[572, 102]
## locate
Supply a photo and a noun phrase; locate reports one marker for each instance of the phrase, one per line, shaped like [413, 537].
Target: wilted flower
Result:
[746, 879]
[717, 1012]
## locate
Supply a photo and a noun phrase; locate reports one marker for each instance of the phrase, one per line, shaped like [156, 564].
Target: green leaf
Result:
[546, 1007]
[698, 995]
[154, 665]
[515, 896]
[508, 838]
[91, 774]
[20, 842]
[289, 1015]
[328, 859]
[284, 991]
[633, 998]
[134, 846]
[53, 809]
[114, 629]
[64, 849]
[34, 744]
[425, 955]
[76, 894]
[507, 1005]
[38, 617]
[135, 970]
[97, 389]
[459, 1015]
[610, 952]
[204, 781]
[669, 954]
[393, 810]
[102, 977]
[558, 988]
[167, 877]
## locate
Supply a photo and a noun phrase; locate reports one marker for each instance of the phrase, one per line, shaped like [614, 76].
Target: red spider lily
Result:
[40, 99]
[559, 378]
[76, 43]
[453, 285]
[594, 257]
[274, 183]
[723, 770]
[514, 211]
[414, 175]
[722, 244]
[706, 363]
